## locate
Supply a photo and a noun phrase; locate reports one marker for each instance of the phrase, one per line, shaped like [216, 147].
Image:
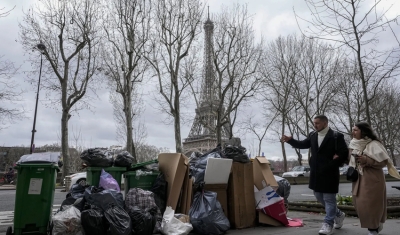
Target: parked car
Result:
[343, 170]
[298, 171]
[77, 178]
[385, 170]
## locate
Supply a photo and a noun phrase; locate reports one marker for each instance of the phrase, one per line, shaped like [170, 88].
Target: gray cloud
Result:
[271, 18]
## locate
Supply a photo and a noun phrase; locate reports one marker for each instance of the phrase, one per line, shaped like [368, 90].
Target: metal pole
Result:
[37, 99]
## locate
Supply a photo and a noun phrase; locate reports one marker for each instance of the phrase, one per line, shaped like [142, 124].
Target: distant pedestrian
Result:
[369, 156]
[328, 152]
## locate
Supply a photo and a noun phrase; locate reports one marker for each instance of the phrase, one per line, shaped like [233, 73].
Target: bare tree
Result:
[237, 55]
[147, 152]
[358, 25]
[348, 104]
[9, 92]
[259, 128]
[177, 27]
[127, 26]
[279, 73]
[69, 30]
[305, 79]
[385, 112]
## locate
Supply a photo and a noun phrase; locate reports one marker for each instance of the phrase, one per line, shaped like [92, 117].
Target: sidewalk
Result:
[312, 224]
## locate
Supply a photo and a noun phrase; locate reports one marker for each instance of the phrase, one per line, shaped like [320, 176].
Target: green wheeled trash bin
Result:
[34, 198]
[93, 174]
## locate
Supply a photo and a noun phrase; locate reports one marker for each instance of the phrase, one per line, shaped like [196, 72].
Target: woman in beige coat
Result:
[369, 156]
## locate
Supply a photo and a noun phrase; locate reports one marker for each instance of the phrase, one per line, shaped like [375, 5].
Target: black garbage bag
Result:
[193, 159]
[77, 191]
[93, 222]
[236, 153]
[118, 220]
[206, 214]
[124, 159]
[67, 202]
[143, 221]
[103, 199]
[80, 203]
[97, 157]
[201, 164]
[159, 188]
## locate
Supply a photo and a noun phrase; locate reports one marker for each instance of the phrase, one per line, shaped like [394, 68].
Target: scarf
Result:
[373, 149]
[322, 134]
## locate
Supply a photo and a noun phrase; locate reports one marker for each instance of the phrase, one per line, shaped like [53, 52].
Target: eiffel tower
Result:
[202, 136]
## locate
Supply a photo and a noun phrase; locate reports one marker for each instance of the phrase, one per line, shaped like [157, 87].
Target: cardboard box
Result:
[175, 168]
[266, 219]
[271, 205]
[241, 202]
[262, 174]
[186, 198]
[222, 197]
[277, 211]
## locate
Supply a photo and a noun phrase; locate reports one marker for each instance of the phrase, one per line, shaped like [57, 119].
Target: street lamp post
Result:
[41, 47]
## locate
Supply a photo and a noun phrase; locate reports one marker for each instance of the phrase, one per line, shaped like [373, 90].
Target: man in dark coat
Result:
[328, 152]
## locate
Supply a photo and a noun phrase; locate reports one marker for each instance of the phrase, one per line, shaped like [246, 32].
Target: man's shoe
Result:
[372, 233]
[326, 229]
[339, 220]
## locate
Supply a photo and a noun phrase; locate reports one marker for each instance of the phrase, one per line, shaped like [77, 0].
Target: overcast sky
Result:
[271, 18]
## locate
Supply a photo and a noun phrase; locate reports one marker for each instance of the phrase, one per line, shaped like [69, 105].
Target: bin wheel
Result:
[9, 231]
[50, 228]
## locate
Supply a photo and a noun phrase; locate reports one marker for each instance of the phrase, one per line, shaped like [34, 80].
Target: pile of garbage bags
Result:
[96, 157]
[91, 210]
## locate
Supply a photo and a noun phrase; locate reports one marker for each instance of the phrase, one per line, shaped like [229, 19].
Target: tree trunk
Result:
[283, 145]
[128, 117]
[177, 122]
[64, 143]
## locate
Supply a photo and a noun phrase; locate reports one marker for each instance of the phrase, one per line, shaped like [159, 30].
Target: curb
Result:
[392, 211]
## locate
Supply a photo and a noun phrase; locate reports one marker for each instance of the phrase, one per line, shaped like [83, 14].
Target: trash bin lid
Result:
[45, 157]
[143, 164]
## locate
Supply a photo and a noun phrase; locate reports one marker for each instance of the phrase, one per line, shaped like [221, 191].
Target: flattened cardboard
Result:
[277, 211]
[187, 195]
[217, 171]
[175, 167]
[262, 174]
[222, 197]
[266, 219]
[241, 202]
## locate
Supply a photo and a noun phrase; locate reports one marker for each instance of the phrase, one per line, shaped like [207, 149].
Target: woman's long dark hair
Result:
[366, 130]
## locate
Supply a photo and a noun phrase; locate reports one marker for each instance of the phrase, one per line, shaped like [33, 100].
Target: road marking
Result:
[7, 217]
[308, 195]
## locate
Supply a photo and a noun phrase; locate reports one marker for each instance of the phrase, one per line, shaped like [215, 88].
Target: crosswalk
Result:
[6, 217]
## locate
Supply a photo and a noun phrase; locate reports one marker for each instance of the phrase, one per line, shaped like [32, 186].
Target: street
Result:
[298, 193]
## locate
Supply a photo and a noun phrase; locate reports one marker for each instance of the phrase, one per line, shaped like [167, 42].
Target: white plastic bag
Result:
[67, 222]
[173, 226]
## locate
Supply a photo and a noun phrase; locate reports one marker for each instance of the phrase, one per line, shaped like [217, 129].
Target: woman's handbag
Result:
[352, 174]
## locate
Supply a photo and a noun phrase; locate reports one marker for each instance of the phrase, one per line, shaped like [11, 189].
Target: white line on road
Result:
[6, 217]
[308, 195]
